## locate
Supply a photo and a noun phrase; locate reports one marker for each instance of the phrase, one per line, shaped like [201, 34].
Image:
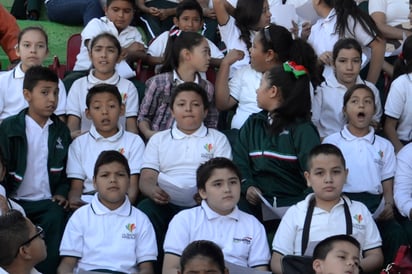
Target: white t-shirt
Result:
[402, 188]
[396, 11]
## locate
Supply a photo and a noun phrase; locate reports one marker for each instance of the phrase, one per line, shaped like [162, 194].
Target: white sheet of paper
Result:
[283, 15]
[124, 70]
[178, 195]
[269, 212]
[237, 269]
[307, 12]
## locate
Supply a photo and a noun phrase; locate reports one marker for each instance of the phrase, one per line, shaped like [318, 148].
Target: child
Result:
[203, 256]
[119, 15]
[188, 54]
[22, 244]
[341, 19]
[327, 112]
[35, 144]
[398, 110]
[329, 213]
[104, 107]
[32, 48]
[272, 145]
[337, 255]
[131, 245]
[240, 235]
[104, 53]
[193, 143]
[237, 32]
[371, 161]
[189, 17]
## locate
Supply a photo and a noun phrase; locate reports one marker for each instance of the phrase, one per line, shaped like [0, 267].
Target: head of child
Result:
[202, 256]
[189, 16]
[104, 108]
[32, 47]
[404, 62]
[41, 91]
[347, 60]
[284, 94]
[326, 174]
[218, 183]
[359, 108]
[21, 241]
[189, 104]
[111, 178]
[105, 51]
[337, 254]
[186, 49]
[120, 12]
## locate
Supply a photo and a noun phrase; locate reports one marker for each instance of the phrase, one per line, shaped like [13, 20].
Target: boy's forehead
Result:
[103, 96]
[190, 13]
[46, 84]
[120, 2]
[322, 159]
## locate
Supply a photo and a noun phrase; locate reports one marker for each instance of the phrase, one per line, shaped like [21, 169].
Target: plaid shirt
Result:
[155, 105]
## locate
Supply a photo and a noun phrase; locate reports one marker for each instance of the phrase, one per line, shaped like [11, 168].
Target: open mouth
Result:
[361, 115]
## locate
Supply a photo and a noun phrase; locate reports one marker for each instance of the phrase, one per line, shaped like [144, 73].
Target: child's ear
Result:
[87, 112]
[317, 266]
[176, 21]
[94, 182]
[202, 193]
[27, 95]
[205, 114]
[307, 174]
[122, 109]
[185, 54]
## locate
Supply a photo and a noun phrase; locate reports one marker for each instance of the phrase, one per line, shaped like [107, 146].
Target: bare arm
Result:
[148, 186]
[146, 268]
[372, 260]
[222, 15]
[131, 124]
[390, 131]
[133, 190]
[388, 32]
[387, 213]
[73, 123]
[276, 263]
[145, 129]
[67, 265]
[376, 63]
[171, 264]
[75, 194]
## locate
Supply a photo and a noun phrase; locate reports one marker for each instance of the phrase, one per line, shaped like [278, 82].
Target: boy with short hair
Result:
[337, 254]
[35, 144]
[104, 108]
[22, 244]
[109, 235]
[326, 213]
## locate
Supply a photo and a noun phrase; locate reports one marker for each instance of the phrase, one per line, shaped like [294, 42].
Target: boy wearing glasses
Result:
[22, 244]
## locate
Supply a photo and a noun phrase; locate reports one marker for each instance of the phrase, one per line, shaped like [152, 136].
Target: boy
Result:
[104, 108]
[35, 144]
[189, 17]
[109, 235]
[326, 213]
[337, 255]
[22, 244]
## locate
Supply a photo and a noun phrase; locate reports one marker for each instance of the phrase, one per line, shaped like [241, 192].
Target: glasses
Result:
[39, 233]
[266, 32]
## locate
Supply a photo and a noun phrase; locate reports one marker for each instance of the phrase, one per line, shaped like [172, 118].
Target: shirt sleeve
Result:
[177, 235]
[149, 104]
[73, 99]
[377, 6]
[396, 100]
[151, 157]
[61, 105]
[74, 161]
[403, 181]
[286, 234]
[132, 100]
[146, 247]
[259, 252]
[135, 158]
[72, 242]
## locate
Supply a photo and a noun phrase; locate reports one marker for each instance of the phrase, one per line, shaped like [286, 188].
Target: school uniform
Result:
[399, 106]
[100, 25]
[402, 188]
[241, 236]
[11, 94]
[327, 104]
[288, 237]
[243, 86]
[76, 99]
[116, 240]
[86, 148]
[11, 204]
[38, 164]
[33, 271]
[396, 11]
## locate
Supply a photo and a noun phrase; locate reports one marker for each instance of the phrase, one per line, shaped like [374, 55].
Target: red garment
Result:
[9, 31]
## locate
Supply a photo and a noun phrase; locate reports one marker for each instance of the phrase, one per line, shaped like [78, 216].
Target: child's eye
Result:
[45, 92]
[217, 184]
[319, 173]
[234, 182]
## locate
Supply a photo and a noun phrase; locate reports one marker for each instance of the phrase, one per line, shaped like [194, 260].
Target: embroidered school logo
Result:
[121, 151]
[208, 147]
[131, 227]
[124, 97]
[244, 240]
[380, 153]
[209, 154]
[358, 218]
[59, 144]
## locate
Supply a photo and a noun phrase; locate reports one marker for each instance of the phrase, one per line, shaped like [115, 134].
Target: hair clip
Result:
[175, 32]
[297, 70]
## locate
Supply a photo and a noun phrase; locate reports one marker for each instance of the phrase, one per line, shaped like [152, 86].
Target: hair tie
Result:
[400, 56]
[175, 32]
[297, 70]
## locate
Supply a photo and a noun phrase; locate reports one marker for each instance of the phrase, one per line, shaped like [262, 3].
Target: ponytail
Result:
[404, 62]
[247, 15]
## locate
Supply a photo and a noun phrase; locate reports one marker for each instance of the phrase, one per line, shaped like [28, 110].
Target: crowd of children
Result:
[119, 176]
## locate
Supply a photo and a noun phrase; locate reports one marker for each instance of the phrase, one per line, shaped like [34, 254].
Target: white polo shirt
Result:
[288, 237]
[178, 155]
[402, 188]
[11, 94]
[97, 26]
[76, 99]
[370, 160]
[399, 105]
[241, 236]
[243, 86]
[396, 11]
[12, 204]
[327, 104]
[85, 149]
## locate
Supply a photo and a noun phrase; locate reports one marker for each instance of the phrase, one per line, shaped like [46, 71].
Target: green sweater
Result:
[274, 163]
[13, 143]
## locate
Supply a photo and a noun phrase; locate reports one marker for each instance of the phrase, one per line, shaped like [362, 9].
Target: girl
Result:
[371, 163]
[202, 256]
[327, 112]
[32, 48]
[104, 53]
[271, 46]
[272, 145]
[218, 184]
[187, 54]
[345, 19]
[237, 32]
[398, 107]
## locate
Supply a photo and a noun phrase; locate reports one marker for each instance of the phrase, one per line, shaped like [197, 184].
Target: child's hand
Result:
[4, 204]
[387, 212]
[233, 55]
[163, 14]
[326, 58]
[306, 28]
[61, 201]
[154, 11]
[252, 195]
[209, 13]
[159, 196]
[75, 203]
